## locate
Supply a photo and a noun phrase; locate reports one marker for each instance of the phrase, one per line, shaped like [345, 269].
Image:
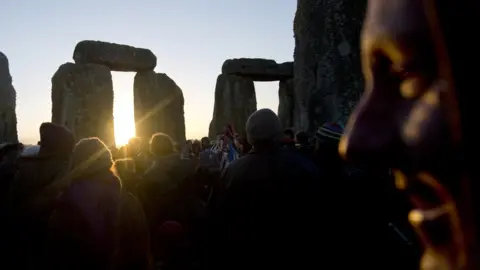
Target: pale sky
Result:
[191, 39]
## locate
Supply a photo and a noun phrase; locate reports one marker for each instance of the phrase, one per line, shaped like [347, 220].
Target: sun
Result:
[124, 123]
[124, 130]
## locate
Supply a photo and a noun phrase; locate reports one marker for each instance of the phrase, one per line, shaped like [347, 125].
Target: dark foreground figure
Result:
[416, 116]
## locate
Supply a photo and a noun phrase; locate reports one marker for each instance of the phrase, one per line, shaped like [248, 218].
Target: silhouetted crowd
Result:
[270, 198]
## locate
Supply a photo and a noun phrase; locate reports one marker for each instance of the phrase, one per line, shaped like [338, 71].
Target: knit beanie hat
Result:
[90, 155]
[263, 125]
[330, 132]
[55, 139]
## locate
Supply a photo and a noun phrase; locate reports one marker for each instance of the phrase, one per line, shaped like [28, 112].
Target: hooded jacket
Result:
[161, 189]
[84, 225]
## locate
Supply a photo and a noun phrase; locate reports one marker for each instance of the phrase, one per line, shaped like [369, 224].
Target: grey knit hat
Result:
[263, 125]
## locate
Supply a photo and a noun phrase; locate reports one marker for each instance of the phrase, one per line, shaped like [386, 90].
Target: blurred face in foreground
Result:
[408, 120]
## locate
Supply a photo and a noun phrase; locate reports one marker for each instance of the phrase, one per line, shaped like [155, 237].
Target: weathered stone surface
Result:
[115, 56]
[286, 102]
[328, 79]
[158, 106]
[235, 100]
[8, 100]
[258, 69]
[82, 100]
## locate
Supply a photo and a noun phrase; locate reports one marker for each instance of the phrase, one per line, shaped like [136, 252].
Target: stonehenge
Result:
[234, 102]
[82, 100]
[83, 94]
[322, 84]
[235, 96]
[8, 100]
[328, 76]
[158, 103]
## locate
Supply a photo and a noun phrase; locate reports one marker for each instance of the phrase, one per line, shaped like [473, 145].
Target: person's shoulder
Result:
[243, 160]
[187, 165]
[149, 171]
[238, 167]
[294, 159]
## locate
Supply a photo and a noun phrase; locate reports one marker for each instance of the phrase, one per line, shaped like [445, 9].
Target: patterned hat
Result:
[330, 131]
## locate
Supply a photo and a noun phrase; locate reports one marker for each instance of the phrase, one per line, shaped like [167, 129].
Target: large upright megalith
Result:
[117, 57]
[158, 106]
[286, 102]
[235, 100]
[82, 100]
[8, 96]
[328, 79]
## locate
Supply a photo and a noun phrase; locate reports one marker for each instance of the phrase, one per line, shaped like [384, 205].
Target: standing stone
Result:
[117, 57]
[8, 100]
[82, 100]
[235, 101]
[286, 103]
[158, 106]
[328, 78]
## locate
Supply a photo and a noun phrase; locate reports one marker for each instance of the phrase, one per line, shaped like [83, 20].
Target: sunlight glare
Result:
[124, 127]
[124, 122]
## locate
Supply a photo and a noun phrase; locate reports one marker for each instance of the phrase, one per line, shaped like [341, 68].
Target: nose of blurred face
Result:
[400, 122]
[371, 135]
[390, 49]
